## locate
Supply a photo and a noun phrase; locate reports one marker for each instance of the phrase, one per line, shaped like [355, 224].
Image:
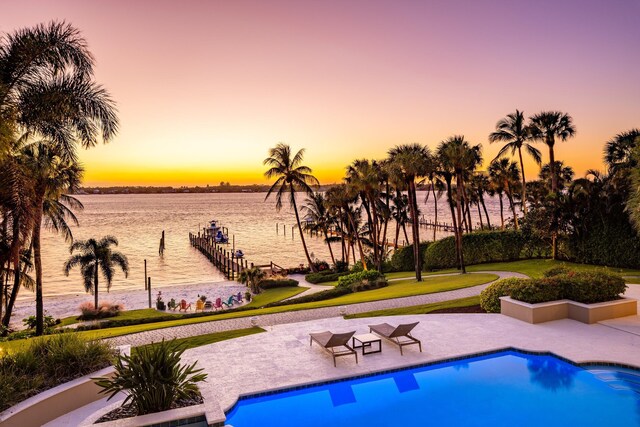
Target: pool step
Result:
[618, 378]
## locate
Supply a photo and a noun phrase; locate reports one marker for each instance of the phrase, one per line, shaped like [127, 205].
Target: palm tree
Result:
[618, 151]
[315, 209]
[51, 176]
[480, 185]
[408, 163]
[547, 126]
[564, 174]
[400, 214]
[506, 174]
[252, 278]
[457, 154]
[291, 176]
[96, 256]
[513, 131]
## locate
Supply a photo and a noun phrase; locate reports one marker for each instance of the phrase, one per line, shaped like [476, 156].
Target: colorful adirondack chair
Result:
[184, 306]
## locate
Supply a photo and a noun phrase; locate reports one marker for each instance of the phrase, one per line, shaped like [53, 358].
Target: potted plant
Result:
[247, 296]
[160, 305]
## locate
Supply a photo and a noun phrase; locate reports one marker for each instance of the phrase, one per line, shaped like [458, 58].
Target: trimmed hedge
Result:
[278, 283]
[366, 275]
[490, 296]
[324, 276]
[402, 258]
[319, 296]
[536, 291]
[583, 287]
[555, 271]
[367, 285]
[479, 247]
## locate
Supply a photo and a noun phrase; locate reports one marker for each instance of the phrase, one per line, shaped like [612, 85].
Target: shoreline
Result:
[60, 306]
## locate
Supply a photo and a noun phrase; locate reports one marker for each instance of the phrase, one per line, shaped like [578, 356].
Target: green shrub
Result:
[153, 378]
[318, 296]
[365, 275]
[325, 276]
[48, 362]
[490, 296]
[402, 258]
[592, 287]
[49, 321]
[478, 247]
[555, 271]
[535, 291]
[277, 283]
[368, 285]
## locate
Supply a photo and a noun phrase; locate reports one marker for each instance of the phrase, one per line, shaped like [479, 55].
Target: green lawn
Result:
[199, 340]
[275, 294]
[396, 289]
[531, 267]
[419, 309]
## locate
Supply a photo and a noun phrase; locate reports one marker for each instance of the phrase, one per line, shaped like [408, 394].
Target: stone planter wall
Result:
[563, 309]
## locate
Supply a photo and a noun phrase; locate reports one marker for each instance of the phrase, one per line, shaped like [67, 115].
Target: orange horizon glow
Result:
[205, 88]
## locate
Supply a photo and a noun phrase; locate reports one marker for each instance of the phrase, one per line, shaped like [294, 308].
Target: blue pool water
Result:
[501, 389]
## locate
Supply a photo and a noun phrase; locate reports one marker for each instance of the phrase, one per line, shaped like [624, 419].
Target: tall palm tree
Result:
[51, 175]
[513, 131]
[480, 185]
[506, 174]
[96, 256]
[546, 127]
[315, 209]
[291, 176]
[618, 151]
[456, 153]
[400, 214]
[408, 163]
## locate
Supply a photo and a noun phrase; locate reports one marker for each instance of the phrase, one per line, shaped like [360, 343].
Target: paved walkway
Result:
[185, 331]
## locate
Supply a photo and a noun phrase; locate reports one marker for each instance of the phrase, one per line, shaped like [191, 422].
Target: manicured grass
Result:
[396, 289]
[199, 340]
[275, 294]
[419, 309]
[408, 274]
[144, 313]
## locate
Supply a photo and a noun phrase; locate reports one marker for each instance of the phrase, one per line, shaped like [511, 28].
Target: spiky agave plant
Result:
[153, 378]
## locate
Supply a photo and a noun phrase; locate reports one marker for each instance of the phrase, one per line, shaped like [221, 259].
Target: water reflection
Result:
[550, 373]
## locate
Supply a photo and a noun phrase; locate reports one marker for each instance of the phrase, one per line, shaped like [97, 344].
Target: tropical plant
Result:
[315, 209]
[513, 131]
[291, 176]
[458, 155]
[618, 151]
[96, 256]
[252, 277]
[408, 163]
[153, 378]
[546, 127]
[505, 174]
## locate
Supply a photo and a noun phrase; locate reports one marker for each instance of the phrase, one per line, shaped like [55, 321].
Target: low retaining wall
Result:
[563, 309]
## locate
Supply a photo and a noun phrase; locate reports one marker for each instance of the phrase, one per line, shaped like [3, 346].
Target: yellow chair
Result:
[199, 305]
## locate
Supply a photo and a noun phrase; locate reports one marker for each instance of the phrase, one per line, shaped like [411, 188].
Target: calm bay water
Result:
[137, 220]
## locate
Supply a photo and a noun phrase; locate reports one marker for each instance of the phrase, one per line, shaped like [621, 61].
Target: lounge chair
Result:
[184, 306]
[230, 301]
[332, 343]
[400, 335]
[199, 305]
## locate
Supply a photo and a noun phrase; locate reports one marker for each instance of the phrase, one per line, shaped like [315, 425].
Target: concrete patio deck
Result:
[282, 357]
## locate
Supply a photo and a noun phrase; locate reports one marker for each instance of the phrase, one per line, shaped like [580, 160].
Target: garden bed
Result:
[567, 309]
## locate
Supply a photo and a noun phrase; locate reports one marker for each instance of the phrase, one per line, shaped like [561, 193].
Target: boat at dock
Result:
[215, 231]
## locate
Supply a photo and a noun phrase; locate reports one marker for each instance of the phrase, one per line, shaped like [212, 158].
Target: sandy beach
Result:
[67, 305]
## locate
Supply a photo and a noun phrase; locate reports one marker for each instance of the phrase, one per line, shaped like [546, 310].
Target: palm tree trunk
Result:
[435, 209]
[15, 257]
[95, 282]
[395, 241]
[501, 212]
[524, 183]
[415, 230]
[37, 261]
[486, 214]
[357, 237]
[513, 207]
[406, 236]
[377, 253]
[304, 243]
[554, 189]
[459, 184]
[453, 216]
[480, 216]
[326, 238]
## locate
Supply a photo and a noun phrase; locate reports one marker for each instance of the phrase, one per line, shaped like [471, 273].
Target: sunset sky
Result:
[204, 88]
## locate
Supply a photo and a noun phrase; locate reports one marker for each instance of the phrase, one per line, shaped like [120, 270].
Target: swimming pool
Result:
[508, 388]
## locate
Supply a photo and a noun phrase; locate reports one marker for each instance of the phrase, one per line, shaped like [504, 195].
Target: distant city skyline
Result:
[205, 88]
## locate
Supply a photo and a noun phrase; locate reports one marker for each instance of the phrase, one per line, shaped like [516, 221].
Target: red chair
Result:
[184, 306]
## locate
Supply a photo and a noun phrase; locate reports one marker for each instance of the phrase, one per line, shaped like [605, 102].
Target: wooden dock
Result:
[224, 259]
